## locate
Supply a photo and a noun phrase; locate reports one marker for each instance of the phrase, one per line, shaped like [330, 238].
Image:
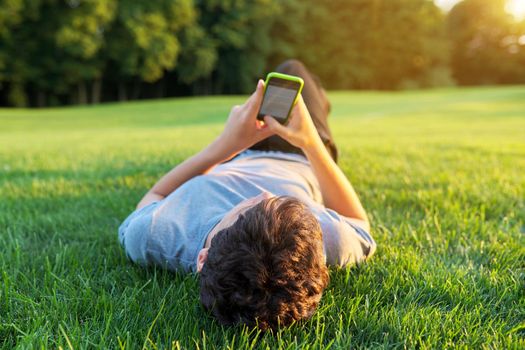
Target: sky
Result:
[516, 7]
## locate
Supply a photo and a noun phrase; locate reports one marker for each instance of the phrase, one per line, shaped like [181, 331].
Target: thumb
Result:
[256, 98]
[275, 126]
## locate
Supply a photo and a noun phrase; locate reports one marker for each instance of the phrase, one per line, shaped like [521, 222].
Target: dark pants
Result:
[314, 97]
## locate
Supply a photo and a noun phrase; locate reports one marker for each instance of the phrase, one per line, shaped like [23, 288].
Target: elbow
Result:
[149, 198]
[362, 218]
[366, 224]
[355, 245]
[356, 254]
[366, 221]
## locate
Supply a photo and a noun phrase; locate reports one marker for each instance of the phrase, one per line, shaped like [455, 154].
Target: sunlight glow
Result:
[516, 8]
[446, 4]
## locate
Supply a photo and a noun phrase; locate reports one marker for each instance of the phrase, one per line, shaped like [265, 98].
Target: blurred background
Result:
[62, 52]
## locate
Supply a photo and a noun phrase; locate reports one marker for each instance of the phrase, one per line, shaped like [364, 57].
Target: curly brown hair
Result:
[267, 269]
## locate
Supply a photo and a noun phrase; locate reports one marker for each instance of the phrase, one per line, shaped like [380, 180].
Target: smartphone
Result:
[280, 94]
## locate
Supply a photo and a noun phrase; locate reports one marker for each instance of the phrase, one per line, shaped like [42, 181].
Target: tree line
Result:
[56, 52]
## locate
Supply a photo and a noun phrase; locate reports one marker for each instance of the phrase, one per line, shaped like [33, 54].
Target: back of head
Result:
[268, 268]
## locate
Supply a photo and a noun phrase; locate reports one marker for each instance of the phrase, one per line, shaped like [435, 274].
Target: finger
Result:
[252, 96]
[299, 109]
[259, 124]
[254, 102]
[265, 131]
[235, 109]
[300, 100]
[275, 126]
[299, 104]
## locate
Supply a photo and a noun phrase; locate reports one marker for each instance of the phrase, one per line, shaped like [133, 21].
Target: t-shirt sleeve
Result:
[133, 233]
[345, 243]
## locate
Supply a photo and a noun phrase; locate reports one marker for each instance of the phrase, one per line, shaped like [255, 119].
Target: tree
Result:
[240, 31]
[10, 15]
[79, 39]
[381, 44]
[198, 56]
[485, 43]
[13, 72]
[55, 48]
[75, 51]
[143, 41]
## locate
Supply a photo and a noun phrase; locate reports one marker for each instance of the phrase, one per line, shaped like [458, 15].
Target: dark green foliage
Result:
[488, 46]
[198, 57]
[380, 44]
[55, 52]
[143, 42]
[54, 49]
[241, 32]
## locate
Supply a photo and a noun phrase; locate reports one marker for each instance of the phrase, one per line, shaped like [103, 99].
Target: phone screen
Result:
[279, 98]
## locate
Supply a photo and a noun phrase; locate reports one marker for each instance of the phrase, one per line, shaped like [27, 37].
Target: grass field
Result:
[442, 174]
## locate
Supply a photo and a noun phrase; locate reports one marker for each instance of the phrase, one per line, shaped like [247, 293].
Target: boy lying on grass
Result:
[259, 213]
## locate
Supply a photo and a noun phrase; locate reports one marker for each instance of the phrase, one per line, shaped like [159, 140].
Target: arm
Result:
[241, 131]
[337, 191]
[201, 163]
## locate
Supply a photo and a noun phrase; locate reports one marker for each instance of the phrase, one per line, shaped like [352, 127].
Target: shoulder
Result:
[346, 240]
[133, 233]
[162, 234]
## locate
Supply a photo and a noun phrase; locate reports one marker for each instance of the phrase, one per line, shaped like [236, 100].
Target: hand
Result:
[300, 130]
[242, 128]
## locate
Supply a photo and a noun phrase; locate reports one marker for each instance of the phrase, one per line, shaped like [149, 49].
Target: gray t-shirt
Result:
[171, 232]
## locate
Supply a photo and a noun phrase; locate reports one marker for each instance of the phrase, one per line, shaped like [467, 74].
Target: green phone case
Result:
[284, 77]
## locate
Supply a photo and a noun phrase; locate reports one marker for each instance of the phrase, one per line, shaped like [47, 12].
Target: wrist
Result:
[221, 150]
[313, 145]
[317, 153]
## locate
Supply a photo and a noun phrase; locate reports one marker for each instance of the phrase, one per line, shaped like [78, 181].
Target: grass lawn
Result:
[442, 174]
